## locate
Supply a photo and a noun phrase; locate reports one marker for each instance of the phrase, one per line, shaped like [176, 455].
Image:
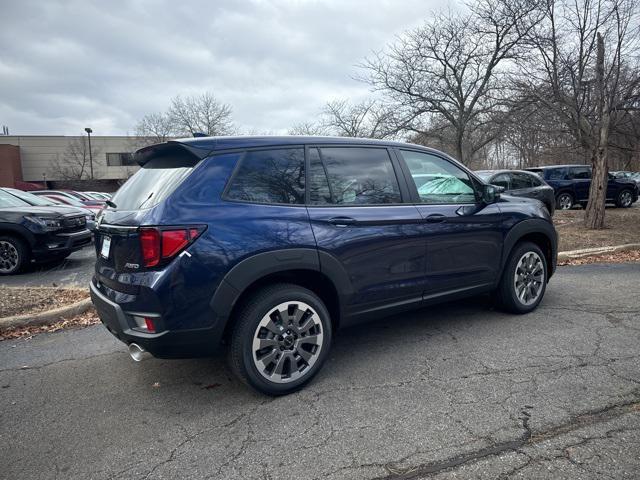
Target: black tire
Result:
[242, 358]
[624, 198]
[506, 293]
[565, 201]
[14, 255]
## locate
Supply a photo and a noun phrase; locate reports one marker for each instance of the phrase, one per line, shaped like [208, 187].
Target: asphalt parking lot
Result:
[75, 270]
[457, 391]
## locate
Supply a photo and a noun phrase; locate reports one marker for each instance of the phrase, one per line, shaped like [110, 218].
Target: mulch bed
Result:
[19, 301]
[83, 320]
[631, 256]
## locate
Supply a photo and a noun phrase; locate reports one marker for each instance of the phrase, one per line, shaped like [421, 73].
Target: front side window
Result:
[437, 180]
[356, 176]
[269, 176]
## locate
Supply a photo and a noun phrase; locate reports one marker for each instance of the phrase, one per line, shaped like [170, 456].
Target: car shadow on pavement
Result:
[209, 379]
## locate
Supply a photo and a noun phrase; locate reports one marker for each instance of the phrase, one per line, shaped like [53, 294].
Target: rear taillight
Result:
[159, 244]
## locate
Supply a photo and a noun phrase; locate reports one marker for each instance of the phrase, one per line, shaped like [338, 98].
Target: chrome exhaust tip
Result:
[136, 352]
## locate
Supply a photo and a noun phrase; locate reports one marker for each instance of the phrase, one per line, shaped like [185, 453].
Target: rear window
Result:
[154, 182]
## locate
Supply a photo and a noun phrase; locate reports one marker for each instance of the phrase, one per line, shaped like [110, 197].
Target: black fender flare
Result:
[525, 227]
[255, 267]
[18, 231]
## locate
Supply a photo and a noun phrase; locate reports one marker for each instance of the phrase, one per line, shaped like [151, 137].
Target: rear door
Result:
[358, 216]
[581, 177]
[463, 235]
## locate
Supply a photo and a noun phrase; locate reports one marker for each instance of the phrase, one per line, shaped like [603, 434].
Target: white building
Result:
[58, 158]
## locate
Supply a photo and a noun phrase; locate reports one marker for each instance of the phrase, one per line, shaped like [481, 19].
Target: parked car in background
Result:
[270, 244]
[84, 199]
[635, 176]
[98, 195]
[42, 201]
[38, 234]
[70, 200]
[571, 184]
[521, 183]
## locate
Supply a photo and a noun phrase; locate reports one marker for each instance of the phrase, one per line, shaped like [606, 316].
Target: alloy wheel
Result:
[626, 199]
[565, 202]
[9, 257]
[529, 277]
[287, 342]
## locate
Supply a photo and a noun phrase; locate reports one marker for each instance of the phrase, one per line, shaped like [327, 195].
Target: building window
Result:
[120, 159]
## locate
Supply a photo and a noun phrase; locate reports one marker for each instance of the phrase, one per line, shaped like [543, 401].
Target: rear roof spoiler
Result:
[145, 154]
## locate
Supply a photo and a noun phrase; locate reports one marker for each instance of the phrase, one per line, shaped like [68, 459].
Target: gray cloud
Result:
[68, 64]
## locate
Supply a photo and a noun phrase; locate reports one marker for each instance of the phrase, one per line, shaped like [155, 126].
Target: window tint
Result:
[557, 174]
[520, 180]
[154, 182]
[357, 176]
[502, 180]
[269, 176]
[535, 180]
[319, 192]
[437, 180]
[580, 173]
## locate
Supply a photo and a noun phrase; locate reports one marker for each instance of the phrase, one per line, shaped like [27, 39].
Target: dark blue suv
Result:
[269, 244]
[571, 184]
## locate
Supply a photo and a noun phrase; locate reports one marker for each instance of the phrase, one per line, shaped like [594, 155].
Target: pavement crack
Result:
[527, 438]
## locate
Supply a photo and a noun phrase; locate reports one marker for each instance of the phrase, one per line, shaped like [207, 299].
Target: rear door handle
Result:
[435, 218]
[342, 221]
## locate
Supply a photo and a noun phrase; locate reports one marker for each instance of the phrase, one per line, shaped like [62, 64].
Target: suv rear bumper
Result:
[165, 344]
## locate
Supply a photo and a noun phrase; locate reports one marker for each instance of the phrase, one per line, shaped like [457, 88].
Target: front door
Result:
[358, 217]
[463, 235]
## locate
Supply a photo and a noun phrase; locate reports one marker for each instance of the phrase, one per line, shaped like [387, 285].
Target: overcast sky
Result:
[65, 65]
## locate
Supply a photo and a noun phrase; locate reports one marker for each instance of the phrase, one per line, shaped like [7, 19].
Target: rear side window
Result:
[580, 173]
[269, 176]
[557, 174]
[520, 181]
[353, 176]
[502, 180]
[154, 182]
[535, 180]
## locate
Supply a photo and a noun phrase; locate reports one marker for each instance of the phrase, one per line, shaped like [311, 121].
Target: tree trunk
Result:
[594, 215]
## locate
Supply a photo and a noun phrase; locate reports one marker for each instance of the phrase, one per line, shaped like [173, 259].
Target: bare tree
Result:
[449, 70]
[199, 114]
[309, 128]
[156, 127]
[582, 68]
[75, 161]
[367, 119]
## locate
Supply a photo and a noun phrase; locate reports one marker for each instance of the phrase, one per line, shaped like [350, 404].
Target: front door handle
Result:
[435, 218]
[342, 221]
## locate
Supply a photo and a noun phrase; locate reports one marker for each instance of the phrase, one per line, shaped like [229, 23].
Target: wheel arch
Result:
[14, 230]
[300, 266]
[538, 231]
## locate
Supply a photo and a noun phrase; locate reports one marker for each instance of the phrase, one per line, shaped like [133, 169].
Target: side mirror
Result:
[491, 193]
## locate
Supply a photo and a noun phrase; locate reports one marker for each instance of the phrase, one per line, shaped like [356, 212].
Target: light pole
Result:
[89, 131]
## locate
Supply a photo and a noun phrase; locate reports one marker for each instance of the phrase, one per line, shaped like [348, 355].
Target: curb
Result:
[46, 318]
[586, 252]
